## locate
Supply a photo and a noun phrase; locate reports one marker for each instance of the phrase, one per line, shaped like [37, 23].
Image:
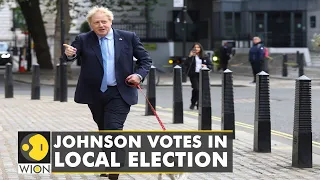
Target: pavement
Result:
[241, 78]
[21, 113]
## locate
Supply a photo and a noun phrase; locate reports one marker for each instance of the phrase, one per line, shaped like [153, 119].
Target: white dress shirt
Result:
[198, 64]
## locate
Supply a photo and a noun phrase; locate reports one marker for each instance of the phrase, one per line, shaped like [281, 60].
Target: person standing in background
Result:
[225, 52]
[256, 57]
[196, 60]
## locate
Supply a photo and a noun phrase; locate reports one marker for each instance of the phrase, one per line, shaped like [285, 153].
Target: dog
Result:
[181, 176]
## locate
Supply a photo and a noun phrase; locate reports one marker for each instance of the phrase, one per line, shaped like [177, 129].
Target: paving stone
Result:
[21, 113]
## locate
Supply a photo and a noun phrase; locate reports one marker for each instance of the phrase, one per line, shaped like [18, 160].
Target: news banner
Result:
[125, 152]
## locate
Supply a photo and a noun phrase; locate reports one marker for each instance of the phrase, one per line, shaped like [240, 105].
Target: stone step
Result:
[317, 64]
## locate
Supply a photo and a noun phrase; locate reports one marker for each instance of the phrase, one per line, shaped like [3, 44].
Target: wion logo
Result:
[34, 152]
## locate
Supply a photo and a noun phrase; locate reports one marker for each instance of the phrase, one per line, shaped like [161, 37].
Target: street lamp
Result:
[63, 63]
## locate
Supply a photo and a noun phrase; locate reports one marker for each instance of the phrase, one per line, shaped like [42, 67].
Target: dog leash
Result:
[153, 110]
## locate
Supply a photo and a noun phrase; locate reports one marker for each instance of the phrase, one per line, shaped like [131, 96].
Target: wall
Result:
[6, 24]
[313, 10]
[162, 12]
[161, 54]
[310, 6]
[277, 5]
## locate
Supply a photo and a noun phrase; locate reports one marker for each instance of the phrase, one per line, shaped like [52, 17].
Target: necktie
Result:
[104, 49]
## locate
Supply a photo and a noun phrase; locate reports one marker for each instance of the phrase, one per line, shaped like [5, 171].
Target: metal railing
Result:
[270, 39]
[152, 31]
[165, 30]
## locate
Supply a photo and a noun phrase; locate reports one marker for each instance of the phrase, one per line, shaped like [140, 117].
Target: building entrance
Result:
[280, 29]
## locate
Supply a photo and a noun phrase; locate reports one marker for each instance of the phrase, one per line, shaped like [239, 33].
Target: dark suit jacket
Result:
[126, 45]
[225, 53]
[190, 64]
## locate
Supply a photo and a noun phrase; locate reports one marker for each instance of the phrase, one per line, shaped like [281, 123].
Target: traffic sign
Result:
[180, 19]
[178, 3]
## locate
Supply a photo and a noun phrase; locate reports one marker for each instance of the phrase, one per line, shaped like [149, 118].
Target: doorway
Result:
[279, 28]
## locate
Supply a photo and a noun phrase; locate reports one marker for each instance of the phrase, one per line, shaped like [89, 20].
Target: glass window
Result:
[259, 22]
[228, 24]
[237, 19]
[4, 47]
[312, 21]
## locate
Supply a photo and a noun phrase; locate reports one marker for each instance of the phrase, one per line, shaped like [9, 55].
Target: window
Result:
[259, 22]
[228, 24]
[4, 47]
[232, 23]
[237, 19]
[312, 21]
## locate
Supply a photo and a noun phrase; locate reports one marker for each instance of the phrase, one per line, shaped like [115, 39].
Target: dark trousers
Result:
[110, 112]
[256, 68]
[224, 64]
[264, 65]
[194, 79]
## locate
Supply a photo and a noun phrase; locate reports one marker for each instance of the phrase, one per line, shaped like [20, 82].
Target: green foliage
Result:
[316, 42]
[18, 19]
[122, 7]
[85, 27]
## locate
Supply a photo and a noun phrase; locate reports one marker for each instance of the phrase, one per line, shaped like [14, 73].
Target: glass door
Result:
[299, 29]
[260, 26]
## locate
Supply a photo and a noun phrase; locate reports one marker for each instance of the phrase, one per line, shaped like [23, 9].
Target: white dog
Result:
[181, 176]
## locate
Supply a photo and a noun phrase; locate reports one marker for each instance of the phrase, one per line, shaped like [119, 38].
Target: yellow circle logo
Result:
[34, 147]
[37, 169]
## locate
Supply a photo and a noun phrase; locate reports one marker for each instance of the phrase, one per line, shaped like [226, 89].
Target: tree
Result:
[33, 17]
[316, 42]
[85, 27]
[34, 20]
[35, 26]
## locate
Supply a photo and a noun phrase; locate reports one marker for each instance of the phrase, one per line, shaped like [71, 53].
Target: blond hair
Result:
[257, 38]
[96, 9]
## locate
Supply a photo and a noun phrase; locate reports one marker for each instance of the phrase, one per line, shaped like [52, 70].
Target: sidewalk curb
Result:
[276, 77]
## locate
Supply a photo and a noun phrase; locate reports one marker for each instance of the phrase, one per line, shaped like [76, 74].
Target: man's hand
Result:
[133, 79]
[203, 65]
[69, 50]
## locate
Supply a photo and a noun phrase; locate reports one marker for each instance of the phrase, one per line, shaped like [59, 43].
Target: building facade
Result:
[280, 23]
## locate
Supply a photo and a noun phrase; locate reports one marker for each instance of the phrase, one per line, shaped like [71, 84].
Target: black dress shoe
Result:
[191, 106]
[113, 176]
[104, 175]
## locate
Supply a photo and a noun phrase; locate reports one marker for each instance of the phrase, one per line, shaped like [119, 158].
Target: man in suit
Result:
[225, 52]
[106, 65]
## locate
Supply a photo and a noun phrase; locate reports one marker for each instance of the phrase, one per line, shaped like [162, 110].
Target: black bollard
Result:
[302, 129]
[227, 105]
[8, 91]
[262, 123]
[265, 65]
[297, 58]
[301, 65]
[285, 65]
[35, 85]
[57, 84]
[151, 91]
[63, 83]
[184, 70]
[177, 95]
[205, 122]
